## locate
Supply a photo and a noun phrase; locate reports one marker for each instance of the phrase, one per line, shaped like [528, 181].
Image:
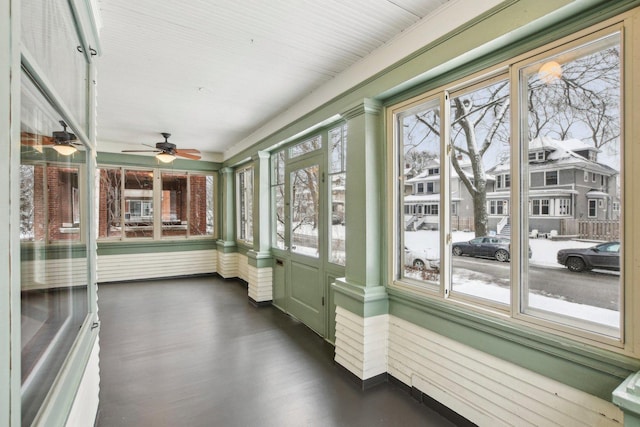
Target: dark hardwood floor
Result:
[194, 352]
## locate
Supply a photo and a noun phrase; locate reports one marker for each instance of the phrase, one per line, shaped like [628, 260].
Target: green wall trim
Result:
[226, 246]
[125, 247]
[593, 370]
[260, 259]
[627, 397]
[363, 301]
[116, 159]
[35, 251]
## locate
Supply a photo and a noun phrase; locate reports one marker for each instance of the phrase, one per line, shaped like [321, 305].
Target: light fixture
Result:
[65, 149]
[165, 157]
[549, 72]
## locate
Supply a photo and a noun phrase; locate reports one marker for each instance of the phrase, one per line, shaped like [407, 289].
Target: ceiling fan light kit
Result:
[64, 149]
[167, 152]
[165, 157]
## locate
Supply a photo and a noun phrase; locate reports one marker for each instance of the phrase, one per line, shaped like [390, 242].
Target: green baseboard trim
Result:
[360, 300]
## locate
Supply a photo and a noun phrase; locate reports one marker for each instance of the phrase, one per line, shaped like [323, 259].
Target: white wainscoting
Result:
[53, 273]
[243, 267]
[260, 283]
[85, 405]
[114, 268]
[227, 264]
[485, 389]
[361, 343]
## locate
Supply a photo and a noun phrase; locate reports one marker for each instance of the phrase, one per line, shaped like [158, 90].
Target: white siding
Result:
[113, 268]
[85, 406]
[53, 273]
[485, 389]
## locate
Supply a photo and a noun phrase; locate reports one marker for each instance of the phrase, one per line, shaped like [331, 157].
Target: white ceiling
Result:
[213, 72]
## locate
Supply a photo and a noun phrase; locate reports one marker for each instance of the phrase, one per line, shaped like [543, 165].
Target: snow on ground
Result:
[543, 255]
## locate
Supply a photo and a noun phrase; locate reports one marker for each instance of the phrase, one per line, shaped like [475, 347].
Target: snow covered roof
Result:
[418, 198]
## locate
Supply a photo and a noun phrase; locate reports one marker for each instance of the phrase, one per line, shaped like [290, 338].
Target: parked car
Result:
[423, 259]
[605, 256]
[497, 247]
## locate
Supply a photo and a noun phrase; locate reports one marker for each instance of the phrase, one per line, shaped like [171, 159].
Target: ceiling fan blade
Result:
[140, 151]
[187, 156]
[33, 139]
[188, 150]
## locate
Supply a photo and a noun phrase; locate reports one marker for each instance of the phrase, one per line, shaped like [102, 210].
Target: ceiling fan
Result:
[61, 141]
[167, 151]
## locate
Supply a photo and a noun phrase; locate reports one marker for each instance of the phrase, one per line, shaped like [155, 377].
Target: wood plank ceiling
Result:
[211, 72]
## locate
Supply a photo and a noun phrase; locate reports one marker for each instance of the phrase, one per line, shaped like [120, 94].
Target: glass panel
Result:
[174, 204]
[573, 117]
[245, 204]
[110, 203]
[337, 175]
[337, 253]
[481, 236]
[305, 147]
[277, 197]
[138, 203]
[201, 205]
[53, 276]
[420, 219]
[49, 33]
[304, 211]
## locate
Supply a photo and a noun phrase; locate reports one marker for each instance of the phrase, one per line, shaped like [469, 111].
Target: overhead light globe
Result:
[550, 71]
[65, 149]
[165, 157]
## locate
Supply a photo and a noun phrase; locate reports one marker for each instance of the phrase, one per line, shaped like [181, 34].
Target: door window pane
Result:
[573, 115]
[277, 199]
[481, 238]
[138, 203]
[305, 147]
[305, 205]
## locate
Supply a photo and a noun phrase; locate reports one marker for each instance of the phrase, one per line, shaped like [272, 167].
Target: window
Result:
[244, 188]
[277, 199]
[53, 249]
[551, 178]
[433, 171]
[481, 133]
[337, 193]
[429, 187]
[498, 207]
[420, 186]
[126, 204]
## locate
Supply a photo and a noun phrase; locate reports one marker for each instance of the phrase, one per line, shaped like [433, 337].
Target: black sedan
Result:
[486, 247]
[605, 256]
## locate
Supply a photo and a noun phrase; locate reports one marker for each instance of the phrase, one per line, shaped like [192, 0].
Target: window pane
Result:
[481, 236]
[304, 211]
[245, 204]
[109, 203]
[277, 199]
[53, 257]
[337, 246]
[138, 203]
[173, 213]
[420, 157]
[49, 33]
[573, 116]
[201, 205]
[305, 147]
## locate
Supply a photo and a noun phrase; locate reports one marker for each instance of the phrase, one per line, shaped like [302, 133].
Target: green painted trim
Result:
[592, 370]
[148, 246]
[242, 248]
[260, 259]
[529, 36]
[59, 402]
[627, 397]
[35, 251]
[226, 246]
[116, 159]
[363, 301]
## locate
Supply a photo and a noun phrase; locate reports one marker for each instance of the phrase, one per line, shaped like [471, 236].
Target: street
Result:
[595, 288]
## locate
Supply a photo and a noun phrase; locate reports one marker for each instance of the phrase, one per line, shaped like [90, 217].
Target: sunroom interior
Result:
[444, 191]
